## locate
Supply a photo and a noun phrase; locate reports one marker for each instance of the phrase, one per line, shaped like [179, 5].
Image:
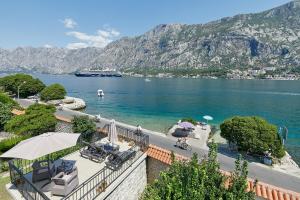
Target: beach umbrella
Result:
[112, 133]
[138, 129]
[208, 118]
[186, 125]
[41, 145]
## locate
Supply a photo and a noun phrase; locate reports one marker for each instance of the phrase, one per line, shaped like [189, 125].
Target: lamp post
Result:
[19, 89]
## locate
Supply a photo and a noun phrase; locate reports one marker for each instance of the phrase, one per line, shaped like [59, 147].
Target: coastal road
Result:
[256, 171]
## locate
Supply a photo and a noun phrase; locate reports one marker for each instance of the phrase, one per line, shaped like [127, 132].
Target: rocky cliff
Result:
[267, 39]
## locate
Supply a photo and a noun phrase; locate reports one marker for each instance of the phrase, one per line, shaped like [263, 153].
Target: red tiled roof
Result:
[262, 189]
[162, 155]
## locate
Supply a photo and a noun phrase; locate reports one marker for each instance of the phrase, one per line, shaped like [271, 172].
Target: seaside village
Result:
[51, 150]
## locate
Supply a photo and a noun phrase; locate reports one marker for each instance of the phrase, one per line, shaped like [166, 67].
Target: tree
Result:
[37, 119]
[27, 84]
[53, 92]
[253, 134]
[191, 180]
[84, 125]
[5, 99]
[6, 105]
[5, 114]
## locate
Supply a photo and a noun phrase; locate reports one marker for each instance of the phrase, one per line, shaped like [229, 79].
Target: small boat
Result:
[147, 80]
[100, 93]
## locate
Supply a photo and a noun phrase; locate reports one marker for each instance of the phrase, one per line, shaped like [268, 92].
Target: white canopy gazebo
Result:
[42, 145]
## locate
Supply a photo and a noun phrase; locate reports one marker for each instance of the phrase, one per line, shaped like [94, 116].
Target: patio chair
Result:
[63, 184]
[42, 170]
[93, 153]
[117, 160]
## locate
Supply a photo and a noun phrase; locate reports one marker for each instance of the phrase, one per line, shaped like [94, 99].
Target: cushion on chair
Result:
[36, 165]
[43, 170]
[59, 182]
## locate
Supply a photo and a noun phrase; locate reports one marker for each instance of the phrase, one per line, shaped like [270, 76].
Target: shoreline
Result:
[162, 140]
[288, 165]
[155, 76]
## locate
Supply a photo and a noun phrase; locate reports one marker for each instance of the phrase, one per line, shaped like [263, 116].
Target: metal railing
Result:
[139, 138]
[95, 185]
[24, 186]
[92, 187]
[25, 166]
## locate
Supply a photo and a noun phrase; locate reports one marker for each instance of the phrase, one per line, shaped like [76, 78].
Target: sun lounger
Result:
[116, 161]
[93, 153]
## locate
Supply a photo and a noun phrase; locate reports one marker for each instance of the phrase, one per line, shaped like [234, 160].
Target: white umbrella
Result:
[112, 133]
[42, 145]
[208, 118]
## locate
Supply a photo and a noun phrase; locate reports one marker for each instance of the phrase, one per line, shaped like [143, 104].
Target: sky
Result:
[82, 23]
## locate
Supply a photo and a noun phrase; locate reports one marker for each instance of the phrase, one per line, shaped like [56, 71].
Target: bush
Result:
[253, 134]
[53, 92]
[189, 119]
[5, 99]
[40, 108]
[84, 125]
[190, 180]
[27, 84]
[5, 114]
[37, 119]
[9, 143]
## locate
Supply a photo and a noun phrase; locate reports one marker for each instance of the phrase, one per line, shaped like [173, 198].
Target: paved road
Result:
[256, 171]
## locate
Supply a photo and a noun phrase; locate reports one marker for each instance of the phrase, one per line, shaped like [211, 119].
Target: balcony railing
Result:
[95, 185]
[92, 187]
[24, 186]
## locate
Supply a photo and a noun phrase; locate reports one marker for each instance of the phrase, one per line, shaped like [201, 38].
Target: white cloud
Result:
[48, 46]
[100, 40]
[69, 23]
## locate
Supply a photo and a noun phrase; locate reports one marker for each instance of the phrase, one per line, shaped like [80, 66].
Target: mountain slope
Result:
[270, 38]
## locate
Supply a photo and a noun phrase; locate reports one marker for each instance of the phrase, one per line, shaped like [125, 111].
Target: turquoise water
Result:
[158, 104]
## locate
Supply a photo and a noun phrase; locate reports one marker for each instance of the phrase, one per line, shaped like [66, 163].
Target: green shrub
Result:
[253, 134]
[27, 84]
[191, 180]
[84, 125]
[40, 108]
[5, 99]
[5, 114]
[53, 92]
[37, 119]
[9, 143]
[189, 119]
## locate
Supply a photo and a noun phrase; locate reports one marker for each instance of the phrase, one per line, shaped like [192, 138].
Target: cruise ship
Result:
[99, 73]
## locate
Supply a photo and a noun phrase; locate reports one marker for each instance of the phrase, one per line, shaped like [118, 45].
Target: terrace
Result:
[94, 176]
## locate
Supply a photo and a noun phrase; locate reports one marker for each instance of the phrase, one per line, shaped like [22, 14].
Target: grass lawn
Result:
[3, 193]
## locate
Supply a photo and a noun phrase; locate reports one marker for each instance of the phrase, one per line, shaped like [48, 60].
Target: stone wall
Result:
[132, 184]
[154, 167]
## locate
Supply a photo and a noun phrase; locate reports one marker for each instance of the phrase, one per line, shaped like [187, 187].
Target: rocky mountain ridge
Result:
[267, 39]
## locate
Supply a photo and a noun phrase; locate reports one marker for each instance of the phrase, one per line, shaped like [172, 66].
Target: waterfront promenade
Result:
[256, 171]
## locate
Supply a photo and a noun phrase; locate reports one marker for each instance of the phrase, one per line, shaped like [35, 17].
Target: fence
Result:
[92, 187]
[95, 185]
[24, 186]
[139, 138]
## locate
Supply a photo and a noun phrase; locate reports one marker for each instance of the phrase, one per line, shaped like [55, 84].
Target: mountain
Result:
[267, 39]
[47, 60]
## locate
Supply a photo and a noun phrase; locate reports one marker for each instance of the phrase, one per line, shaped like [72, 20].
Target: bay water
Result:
[159, 103]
